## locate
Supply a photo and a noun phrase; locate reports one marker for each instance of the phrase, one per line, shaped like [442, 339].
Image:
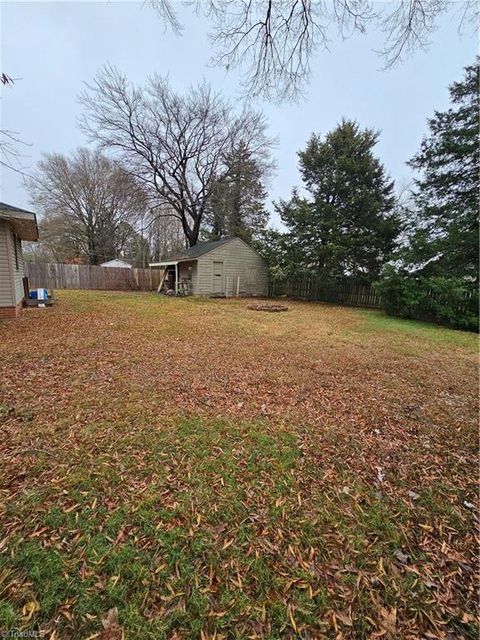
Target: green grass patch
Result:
[375, 322]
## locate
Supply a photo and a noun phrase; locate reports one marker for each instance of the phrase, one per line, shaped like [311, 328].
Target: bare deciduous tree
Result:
[165, 237]
[86, 200]
[175, 145]
[274, 40]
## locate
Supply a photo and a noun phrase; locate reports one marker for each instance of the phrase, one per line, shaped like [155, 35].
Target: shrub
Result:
[449, 301]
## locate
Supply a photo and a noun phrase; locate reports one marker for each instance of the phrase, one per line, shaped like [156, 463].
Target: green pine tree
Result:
[348, 225]
[237, 205]
[445, 241]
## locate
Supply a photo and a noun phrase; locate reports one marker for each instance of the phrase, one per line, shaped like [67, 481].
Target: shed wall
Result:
[239, 260]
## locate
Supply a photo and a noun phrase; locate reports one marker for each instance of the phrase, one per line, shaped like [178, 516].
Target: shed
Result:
[224, 267]
[15, 225]
[117, 264]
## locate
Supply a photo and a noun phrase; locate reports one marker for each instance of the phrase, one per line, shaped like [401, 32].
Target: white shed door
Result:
[217, 274]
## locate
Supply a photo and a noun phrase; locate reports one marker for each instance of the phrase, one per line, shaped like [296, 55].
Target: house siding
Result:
[6, 282]
[11, 284]
[17, 273]
[239, 260]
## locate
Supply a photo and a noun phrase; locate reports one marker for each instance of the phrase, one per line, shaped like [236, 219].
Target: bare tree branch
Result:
[408, 27]
[5, 79]
[167, 13]
[273, 41]
[10, 155]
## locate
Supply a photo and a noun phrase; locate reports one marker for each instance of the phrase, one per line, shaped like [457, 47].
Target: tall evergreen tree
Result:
[237, 205]
[348, 225]
[445, 241]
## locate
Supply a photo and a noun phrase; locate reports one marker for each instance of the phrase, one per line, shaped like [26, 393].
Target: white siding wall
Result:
[238, 260]
[6, 284]
[17, 273]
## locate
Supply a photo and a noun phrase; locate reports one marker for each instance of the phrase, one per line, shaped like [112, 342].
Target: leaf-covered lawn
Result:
[208, 471]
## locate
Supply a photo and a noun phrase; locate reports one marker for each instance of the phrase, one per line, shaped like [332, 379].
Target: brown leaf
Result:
[111, 627]
[344, 618]
[388, 619]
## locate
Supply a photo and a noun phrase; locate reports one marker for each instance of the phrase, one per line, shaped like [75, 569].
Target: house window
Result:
[15, 250]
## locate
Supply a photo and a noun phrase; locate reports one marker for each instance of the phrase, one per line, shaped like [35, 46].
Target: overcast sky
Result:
[54, 47]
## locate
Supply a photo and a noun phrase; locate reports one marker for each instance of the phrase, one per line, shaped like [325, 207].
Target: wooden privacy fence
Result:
[341, 292]
[85, 276]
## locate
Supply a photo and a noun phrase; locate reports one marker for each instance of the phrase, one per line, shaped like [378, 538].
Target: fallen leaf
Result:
[388, 619]
[30, 608]
[401, 557]
[111, 627]
[344, 618]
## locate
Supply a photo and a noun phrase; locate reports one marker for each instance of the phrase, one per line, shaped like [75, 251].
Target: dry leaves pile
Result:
[187, 469]
[275, 308]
